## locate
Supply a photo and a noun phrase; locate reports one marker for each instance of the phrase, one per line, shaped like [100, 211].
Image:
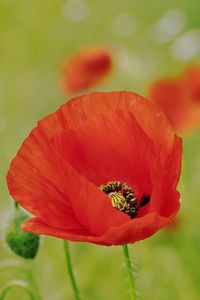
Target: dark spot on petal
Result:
[144, 200]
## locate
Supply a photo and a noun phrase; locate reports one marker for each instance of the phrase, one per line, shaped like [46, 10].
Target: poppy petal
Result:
[46, 185]
[86, 68]
[179, 98]
[135, 230]
[91, 206]
[146, 113]
[169, 94]
[168, 178]
[96, 155]
[130, 232]
[34, 182]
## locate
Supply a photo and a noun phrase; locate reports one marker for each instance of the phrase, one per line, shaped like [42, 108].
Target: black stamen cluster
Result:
[129, 206]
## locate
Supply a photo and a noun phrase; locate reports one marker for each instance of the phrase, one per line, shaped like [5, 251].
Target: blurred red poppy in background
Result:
[179, 98]
[86, 68]
[174, 225]
[102, 169]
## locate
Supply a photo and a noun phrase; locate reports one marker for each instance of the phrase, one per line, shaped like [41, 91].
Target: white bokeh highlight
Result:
[187, 46]
[169, 26]
[76, 11]
[124, 25]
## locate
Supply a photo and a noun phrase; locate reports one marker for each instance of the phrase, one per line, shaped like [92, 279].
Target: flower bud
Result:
[22, 243]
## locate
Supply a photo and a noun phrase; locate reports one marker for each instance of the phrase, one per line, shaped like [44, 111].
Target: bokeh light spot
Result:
[187, 46]
[75, 11]
[172, 23]
[124, 25]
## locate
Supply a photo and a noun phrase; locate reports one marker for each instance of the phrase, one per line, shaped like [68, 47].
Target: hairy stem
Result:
[130, 272]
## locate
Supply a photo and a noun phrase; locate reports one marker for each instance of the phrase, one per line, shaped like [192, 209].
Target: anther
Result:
[123, 198]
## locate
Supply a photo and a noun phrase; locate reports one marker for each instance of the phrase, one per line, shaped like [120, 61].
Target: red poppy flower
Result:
[86, 68]
[101, 169]
[191, 79]
[179, 98]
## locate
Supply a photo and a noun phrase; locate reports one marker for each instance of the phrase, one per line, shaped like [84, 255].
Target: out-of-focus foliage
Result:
[149, 39]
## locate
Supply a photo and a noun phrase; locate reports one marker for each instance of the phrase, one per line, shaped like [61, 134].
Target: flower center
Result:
[123, 197]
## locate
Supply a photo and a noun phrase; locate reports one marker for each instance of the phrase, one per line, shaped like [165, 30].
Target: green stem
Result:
[70, 271]
[33, 283]
[15, 265]
[130, 272]
[17, 283]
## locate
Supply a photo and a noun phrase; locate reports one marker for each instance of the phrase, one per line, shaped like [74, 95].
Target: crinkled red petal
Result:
[135, 230]
[104, 149]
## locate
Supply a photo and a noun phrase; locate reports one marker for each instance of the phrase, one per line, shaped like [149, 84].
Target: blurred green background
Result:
[148, 39]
